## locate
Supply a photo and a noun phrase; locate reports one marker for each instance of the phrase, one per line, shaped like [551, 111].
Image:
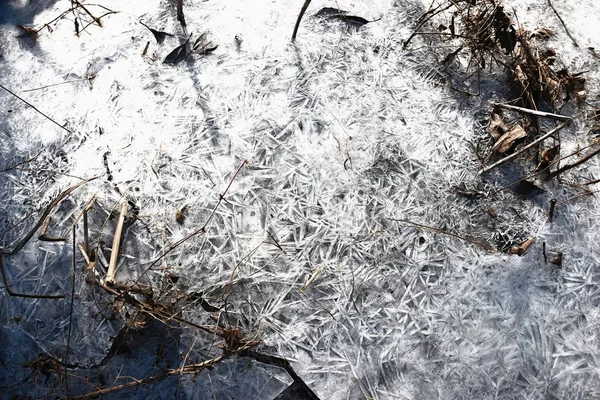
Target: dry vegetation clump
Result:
[538, 88]
[149, 306]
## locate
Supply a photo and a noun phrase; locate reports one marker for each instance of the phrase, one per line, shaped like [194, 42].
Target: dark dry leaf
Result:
[509, 139]
[450, 57]
[158, 35]
[550, 154]
[527, 188]
[327, 12]
[496, 127]
[202, 46]
[341, 15]
[180, 215]
[504, 31]
[207, 49]
[179, 54]
[28, 32]
[557, 260]
[542, 33]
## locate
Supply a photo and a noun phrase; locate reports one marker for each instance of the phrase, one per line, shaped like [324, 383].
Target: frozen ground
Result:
[341, 131]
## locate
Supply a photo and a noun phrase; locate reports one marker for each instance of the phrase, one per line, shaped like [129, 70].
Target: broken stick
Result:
[533, 112]
[114, 254]
[525, 148]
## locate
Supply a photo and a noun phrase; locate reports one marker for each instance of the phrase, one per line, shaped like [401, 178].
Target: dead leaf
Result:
[496, 127]
[550, 154]
[557, 260]
[180, 214]
[509, 139]
[504, 31]
[341, 15]
[450, 57]
[520, 76]
[28, 32]
[158, 35]
[179, 54]
[581, 96]
[542, 33]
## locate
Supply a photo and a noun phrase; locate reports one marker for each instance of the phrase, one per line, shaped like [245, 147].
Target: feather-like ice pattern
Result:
[343, 131]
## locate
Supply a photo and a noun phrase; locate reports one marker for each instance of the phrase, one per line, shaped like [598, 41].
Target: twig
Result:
[46, 212]
[437, 230]
[96, 19]
[576, 197]
[198, 231]
[32, 106]
[71, 306]
[188, 369]
[21, 163]
[100, 17]
[51, 85]
[541, 171]
[525, 148]
[423, 20]
[533, 112]
[16, 294]
[563, 24]
[575, 164]
[114, 254]
[43, 237]
[551, 212]
[302, 11]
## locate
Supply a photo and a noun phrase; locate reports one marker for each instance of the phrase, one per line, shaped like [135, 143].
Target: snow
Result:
[342, 132]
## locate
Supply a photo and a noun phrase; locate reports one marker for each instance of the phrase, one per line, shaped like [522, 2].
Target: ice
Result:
[338, 135]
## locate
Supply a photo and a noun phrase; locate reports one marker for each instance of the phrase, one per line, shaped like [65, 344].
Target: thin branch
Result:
[96, 19]
[16, 294]
[198, 231]
[71, 307]
[541, 171]
[16, 166]
[423, 20]
[563, 24]
[533, 112]
[32, 106]
[525, 148]
[51, 85]
[437, 230]
[302, 11]
[114, 254]
[575, 164]
[46, 212]
[576, 197]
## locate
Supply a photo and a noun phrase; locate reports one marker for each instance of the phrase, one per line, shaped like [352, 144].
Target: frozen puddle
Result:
[334, 137]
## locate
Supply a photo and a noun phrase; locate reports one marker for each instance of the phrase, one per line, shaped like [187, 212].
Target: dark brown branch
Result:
[575, 164]
[302, 11]
[32, 106]
[563, 24]
[45, 214]
[423, 20]
[437, 230]
[198, 231]
[16, 294]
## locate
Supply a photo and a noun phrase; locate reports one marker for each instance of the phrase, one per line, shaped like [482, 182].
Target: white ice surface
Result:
[341, 131]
